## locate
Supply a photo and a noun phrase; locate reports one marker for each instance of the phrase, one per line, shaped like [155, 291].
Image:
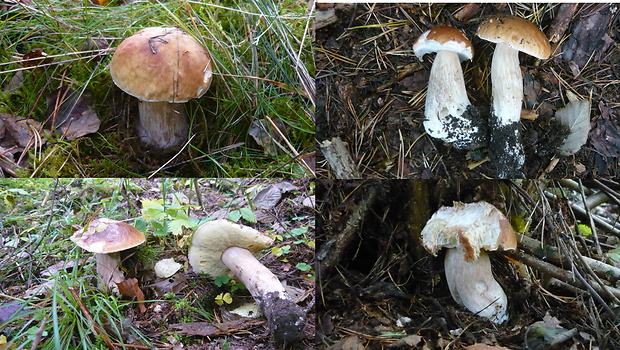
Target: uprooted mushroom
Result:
[467, 230]
[221, 246]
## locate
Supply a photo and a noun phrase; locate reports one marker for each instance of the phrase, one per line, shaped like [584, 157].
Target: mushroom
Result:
[467, 230]
[163, 68]
[221, 246]
[107, 238]
[511, 34]
[449, 114]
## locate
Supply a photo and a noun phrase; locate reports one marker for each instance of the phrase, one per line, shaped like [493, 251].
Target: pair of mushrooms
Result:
[467, 231]
[218, 247]
[163, 68]
[448, 111]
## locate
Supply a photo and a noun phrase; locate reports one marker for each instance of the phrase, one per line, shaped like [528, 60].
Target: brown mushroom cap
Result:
[104, 236]
[443, 38]
[162, 65]
[471, 226]
[517, 33]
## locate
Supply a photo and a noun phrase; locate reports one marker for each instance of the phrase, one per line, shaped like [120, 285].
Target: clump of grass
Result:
[263, 70]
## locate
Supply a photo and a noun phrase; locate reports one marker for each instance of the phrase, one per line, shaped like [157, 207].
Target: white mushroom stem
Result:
[446, 97]
[472, 285]
[507, 88]
[286, 319]
[506, 84]
[109, 272]
[162, 124]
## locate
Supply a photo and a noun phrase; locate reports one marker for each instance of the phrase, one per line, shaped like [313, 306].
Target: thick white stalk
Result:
[286, 319]
[472, 285]
[109, 272]
[162, 125]
[506, 85]
[446, 97]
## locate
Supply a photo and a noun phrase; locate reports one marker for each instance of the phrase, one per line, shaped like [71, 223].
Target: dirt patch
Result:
[372, 89]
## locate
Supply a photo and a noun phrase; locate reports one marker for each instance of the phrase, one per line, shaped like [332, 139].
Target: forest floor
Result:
[373, 88]
[49, 295]
[377, 288]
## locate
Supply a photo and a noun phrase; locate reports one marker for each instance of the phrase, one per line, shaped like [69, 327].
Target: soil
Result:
[382, 288]
[371, 89]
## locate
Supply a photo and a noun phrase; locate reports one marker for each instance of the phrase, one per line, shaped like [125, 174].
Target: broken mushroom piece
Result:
[221, 246]
[511, 34]
[107, 238]
[163, 68]
[467, 230]
[449, 114]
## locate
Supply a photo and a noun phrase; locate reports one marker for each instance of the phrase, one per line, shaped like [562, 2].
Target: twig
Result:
[561, 274]
[94, 327]
[39, 334]
[550, 253]
[339, 159]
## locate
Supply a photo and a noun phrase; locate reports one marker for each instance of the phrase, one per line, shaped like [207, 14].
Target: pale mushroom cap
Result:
[104, 236]
[517, 33]
[472, 227]
[162, 65]
[214, 237]
[443, 39]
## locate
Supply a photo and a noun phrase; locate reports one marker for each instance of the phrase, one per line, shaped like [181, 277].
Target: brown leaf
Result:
[69, 113]
[173, 284]
[35, 58]
[21, 130]
[130, 288]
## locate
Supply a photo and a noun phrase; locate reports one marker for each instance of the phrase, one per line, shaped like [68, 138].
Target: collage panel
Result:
[220, 263]
[478, 90]
[179, 88]
[467, 264]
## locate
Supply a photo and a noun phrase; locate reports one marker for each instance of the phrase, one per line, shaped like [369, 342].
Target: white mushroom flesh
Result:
[472, 285]
[446, 99]
[506, 84]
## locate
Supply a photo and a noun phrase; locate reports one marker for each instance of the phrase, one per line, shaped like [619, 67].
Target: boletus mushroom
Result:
[221, 246]
[511, 34]
[449, 114]
[107, 238]
[163, 68]
[467, 230]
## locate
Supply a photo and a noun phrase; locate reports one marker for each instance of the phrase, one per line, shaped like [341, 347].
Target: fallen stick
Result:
[339, 159]
[608, 293]
[550, 253]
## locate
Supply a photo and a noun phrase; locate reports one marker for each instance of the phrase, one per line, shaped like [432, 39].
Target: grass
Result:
[263, 71]
[39, 215]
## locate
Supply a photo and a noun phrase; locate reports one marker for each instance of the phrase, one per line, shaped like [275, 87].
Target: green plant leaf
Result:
[248, 215]
[221, 280]
[584, 230]
[234, 215]
[176, 226]
[304, 267]
[223, 298]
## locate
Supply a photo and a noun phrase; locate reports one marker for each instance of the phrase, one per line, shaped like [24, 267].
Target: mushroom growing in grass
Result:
[449, 114]
[220, 246]
[467, 230]
[511, 34]
[163, 68]
[107, 238]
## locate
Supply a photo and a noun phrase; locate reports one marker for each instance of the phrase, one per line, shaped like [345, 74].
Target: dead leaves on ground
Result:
[68, 113]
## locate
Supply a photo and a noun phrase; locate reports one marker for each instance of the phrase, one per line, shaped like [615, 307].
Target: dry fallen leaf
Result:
[575, 115]
[69, 114]
[130, 288]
